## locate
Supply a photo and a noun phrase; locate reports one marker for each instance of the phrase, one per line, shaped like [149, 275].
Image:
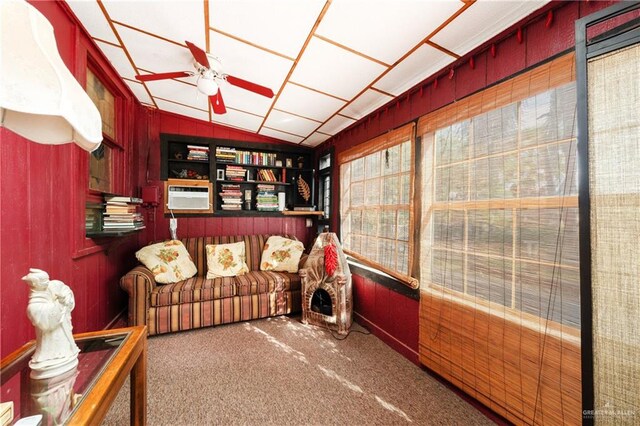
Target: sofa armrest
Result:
[138, 283]
[303, 260]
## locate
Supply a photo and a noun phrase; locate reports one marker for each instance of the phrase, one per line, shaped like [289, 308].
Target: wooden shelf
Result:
[171, 160]
[100, 234]
[253, 182]
[301, 213]
[224, 163]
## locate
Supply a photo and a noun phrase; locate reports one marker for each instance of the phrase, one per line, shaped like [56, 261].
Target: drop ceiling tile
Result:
[364, 104]
[174, 20]
[280, 135]
[178, 92]
[238, 119]
[93, 20]
[481, 21]
[385, 30]
[182, 110]
[140, 92]
[315, 139]
[336, 124]
[278, 25]
[154, 54]
[118, 59]
[413, 69]
[290, 123]
[333, 70]
[307, 103]
[249, 63]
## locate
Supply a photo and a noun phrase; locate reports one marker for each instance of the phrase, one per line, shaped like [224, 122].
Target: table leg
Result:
[139, 389]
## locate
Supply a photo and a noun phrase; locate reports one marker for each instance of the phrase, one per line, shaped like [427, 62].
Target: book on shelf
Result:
[121, 214]
[304, 208]
[198, 152]
[122, 199]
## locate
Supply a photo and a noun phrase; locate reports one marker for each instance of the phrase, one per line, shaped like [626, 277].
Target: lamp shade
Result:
[39, 97]
[208, 86]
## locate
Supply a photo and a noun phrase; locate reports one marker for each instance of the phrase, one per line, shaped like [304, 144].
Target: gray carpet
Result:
[279, 371]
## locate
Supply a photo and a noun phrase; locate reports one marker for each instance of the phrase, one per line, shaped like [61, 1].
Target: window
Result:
[101, 161]
[376, 203]
[324, 178]
[502, 216]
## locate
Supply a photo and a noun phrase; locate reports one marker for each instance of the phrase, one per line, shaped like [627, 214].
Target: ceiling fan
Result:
[209, 74]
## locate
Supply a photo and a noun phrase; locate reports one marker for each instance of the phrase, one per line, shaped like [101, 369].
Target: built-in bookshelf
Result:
[244, 175]
[116, 216]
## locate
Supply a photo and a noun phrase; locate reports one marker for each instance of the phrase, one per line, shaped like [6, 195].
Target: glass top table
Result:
[84, 394]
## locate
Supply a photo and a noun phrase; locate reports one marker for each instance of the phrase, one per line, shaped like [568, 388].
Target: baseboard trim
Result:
[389, 339]
[115, 320]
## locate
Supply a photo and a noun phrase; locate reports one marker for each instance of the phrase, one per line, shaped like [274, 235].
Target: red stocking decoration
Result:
[330, 259]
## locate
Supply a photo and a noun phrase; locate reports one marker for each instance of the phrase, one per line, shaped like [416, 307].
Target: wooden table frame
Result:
[131, 358]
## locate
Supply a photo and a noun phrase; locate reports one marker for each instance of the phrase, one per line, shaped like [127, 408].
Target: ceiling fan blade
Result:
[198, 54]
[217, 103]
[253, 87]
[163, 76]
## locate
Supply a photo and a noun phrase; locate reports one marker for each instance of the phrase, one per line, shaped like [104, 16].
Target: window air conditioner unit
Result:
[186, 197]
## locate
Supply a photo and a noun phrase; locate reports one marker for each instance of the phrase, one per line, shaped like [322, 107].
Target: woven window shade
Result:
[376, 203]
[499, 266]
[614, 183]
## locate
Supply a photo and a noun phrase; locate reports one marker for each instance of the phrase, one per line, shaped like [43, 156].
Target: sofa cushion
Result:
[225, 260]
[257, 282]
[168, 261]
[196, 289]
[281, 254]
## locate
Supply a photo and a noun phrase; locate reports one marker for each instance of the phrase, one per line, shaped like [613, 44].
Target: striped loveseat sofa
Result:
[200, 302]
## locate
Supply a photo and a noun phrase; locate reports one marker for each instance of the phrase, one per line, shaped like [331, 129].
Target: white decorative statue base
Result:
[49, 309]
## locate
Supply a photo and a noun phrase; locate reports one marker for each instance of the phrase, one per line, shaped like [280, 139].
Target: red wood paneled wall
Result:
[391, 316]
[43, 190]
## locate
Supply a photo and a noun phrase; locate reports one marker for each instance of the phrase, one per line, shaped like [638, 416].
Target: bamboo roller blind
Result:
[376, 202]
[499, 267]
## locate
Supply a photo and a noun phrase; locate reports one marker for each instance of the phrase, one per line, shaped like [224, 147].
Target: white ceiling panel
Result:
[331, 69]
[176, 20]
[178, 92]
[279, 25]
[315, 139]
[364, 104]
[140, 92]
[290, 123]
[93, 20]
[154, 54]
[382, 30]
[244, 100]
[412, 70]
[335, 124]
[481, 21]
[118, 59]
[307, 103]
[182, 110]
[250, 63]
[280, 135]
[238, 119]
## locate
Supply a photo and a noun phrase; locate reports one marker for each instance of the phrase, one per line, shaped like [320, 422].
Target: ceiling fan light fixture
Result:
[207, 86]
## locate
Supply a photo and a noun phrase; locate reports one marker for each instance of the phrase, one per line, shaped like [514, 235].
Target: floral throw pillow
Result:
[226, 260]
[168, 261]
[281, 254]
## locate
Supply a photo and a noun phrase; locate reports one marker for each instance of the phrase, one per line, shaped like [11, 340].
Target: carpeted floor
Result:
[279, 371]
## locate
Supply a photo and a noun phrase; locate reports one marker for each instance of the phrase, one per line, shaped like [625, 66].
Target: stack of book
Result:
[121, 214]
[231, 197]
[266, 175]
[235, 173]
[266, 200]
[197, 152]
[225, 154]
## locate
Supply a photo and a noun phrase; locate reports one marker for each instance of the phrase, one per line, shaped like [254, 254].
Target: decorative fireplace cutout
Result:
[326, 286]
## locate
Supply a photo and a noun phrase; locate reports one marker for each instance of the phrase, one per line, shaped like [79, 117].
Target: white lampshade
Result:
[208, 86]
[39, 97]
